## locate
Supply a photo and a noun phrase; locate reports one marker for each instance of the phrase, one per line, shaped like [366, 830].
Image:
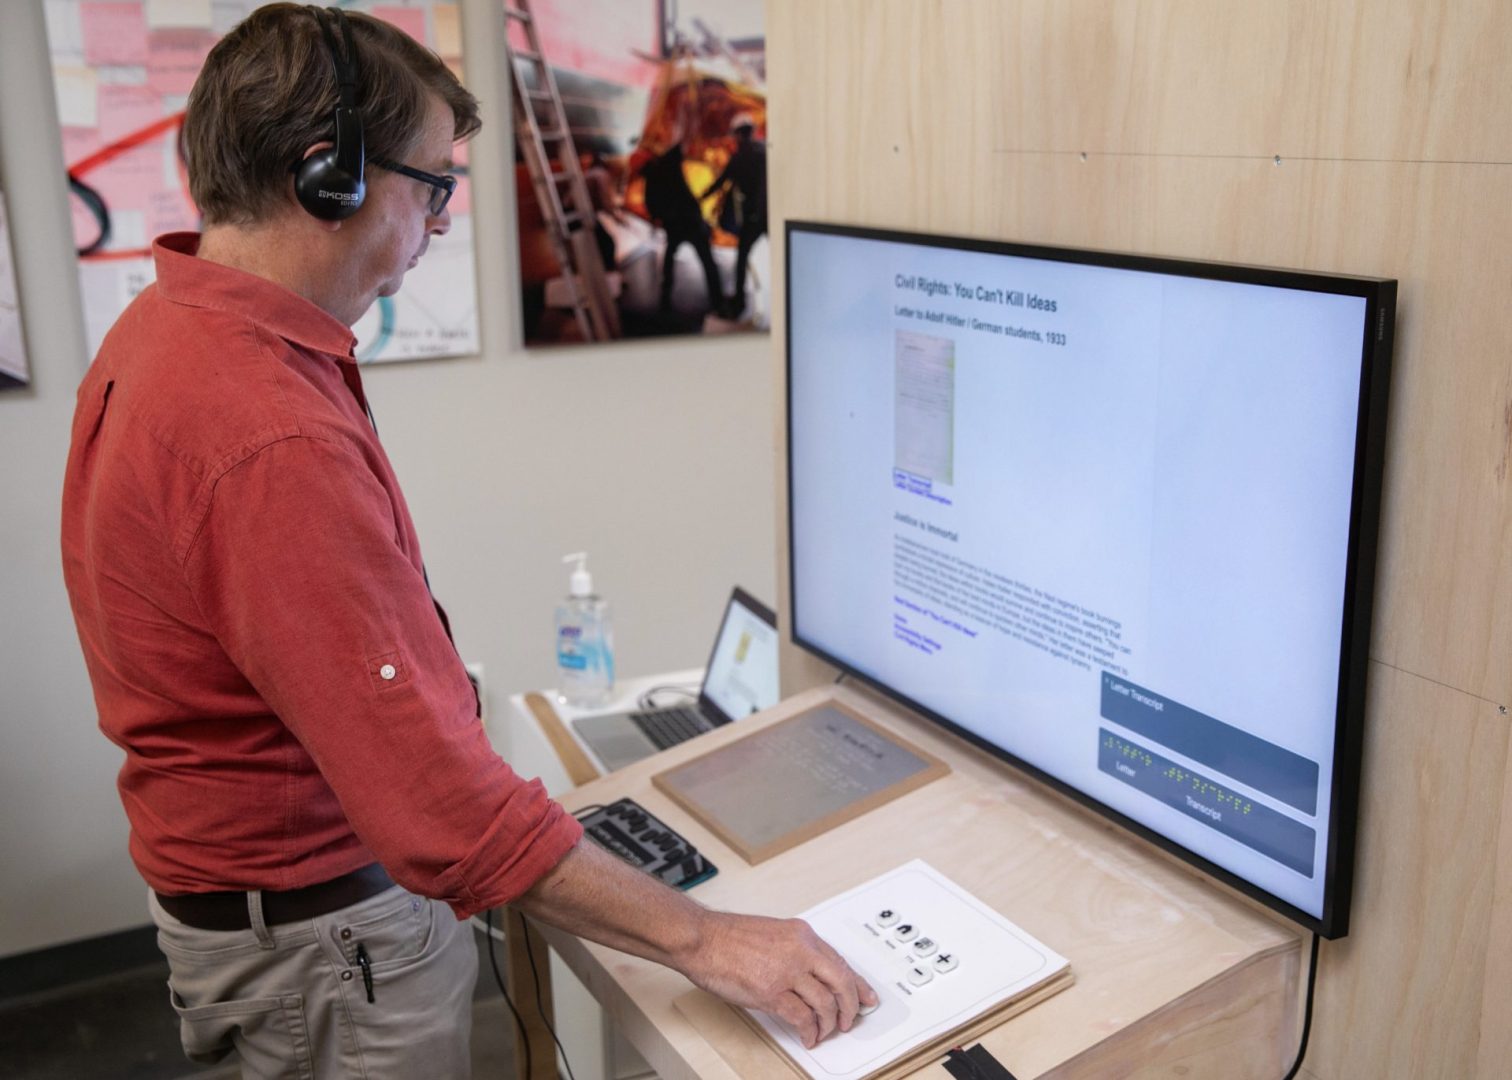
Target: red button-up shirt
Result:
[248, 591]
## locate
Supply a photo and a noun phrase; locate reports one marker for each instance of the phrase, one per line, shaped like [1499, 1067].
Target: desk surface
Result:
[1170, 969]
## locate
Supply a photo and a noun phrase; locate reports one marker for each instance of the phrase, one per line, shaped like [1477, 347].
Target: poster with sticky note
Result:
[122, 73]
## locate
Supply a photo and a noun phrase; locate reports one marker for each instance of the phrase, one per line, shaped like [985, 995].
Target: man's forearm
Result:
[595, 895]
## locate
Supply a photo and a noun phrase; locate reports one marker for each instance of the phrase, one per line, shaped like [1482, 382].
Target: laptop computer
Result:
[741, 678]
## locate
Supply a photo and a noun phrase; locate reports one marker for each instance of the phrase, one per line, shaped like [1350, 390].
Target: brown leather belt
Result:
[228, 910]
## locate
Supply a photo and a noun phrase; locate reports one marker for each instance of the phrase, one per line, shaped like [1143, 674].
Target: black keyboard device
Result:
[628, 830]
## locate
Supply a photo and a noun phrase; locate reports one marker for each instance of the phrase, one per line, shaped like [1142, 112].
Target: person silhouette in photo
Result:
[670, 203]
[599, 180]
[747, 172]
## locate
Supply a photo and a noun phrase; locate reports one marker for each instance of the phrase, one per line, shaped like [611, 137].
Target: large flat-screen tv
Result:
[1111, 517]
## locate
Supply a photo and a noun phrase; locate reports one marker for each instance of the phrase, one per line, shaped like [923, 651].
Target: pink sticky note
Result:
[174, 58]
[448, 23]
[125, 110]
[79, 143]
[410, 20]
[170, 211]
[115, 33]
[128, 182]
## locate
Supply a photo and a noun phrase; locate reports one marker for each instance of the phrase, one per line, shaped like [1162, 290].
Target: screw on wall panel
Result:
[1084, 155]
[1502, 709]
[1276, 160]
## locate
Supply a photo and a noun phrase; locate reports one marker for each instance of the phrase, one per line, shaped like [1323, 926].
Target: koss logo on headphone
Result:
[329, 182]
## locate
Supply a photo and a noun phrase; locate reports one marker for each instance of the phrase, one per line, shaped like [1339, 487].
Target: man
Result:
[670, 203]
[299, 733]
[746, 170]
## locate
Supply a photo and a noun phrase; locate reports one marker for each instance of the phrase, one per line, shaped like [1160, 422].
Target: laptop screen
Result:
[742, 673]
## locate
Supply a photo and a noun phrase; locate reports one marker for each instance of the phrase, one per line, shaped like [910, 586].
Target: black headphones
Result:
[329, 182]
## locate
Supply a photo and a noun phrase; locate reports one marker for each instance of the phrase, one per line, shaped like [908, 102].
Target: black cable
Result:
[962, 1060]
[494, 963]
[95, 204]
[540, 1008]
[839, 678]
[1312, 978]
[647, 699]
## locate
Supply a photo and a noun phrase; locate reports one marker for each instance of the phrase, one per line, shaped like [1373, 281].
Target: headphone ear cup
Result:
[325, 189]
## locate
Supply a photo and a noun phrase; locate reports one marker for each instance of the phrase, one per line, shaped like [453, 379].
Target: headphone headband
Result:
[329, 183]
[344, 61]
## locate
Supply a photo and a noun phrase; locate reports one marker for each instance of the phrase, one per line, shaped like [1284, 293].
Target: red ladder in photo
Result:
[556, 174]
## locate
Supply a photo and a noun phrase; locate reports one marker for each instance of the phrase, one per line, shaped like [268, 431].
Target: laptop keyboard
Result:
[668, 727]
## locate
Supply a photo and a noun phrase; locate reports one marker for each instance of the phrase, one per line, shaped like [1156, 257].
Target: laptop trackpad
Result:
[615, 740]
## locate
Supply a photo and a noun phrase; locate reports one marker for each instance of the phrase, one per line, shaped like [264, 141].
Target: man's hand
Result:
[779, 966]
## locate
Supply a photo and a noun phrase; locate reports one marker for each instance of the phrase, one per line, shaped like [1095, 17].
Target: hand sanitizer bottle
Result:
[585, 641]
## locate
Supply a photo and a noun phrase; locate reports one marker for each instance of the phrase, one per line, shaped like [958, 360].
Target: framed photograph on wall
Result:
[122, 71]
[640, 167]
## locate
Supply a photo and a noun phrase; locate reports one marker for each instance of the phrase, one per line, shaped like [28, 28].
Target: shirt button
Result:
[387, 671]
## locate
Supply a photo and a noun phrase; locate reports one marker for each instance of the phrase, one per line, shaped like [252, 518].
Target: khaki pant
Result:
[292, 999]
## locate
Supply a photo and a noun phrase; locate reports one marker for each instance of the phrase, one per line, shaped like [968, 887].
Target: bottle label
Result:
[584, 661]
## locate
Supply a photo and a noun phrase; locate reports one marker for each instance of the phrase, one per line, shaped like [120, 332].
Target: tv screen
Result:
[1112, 518]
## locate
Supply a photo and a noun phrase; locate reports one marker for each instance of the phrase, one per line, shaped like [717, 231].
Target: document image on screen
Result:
[924, 391]
[742, 673]
[1117, 540]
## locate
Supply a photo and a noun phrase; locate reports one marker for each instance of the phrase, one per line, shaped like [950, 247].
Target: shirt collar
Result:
[184, 278]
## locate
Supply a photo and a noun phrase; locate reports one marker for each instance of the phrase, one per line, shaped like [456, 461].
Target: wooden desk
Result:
[1174, 975]
[536, 742]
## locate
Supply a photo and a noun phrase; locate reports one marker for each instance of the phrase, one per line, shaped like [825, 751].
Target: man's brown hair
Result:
[268, 91]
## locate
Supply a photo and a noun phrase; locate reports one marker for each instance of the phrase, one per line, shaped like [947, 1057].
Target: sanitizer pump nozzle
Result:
[580, 582]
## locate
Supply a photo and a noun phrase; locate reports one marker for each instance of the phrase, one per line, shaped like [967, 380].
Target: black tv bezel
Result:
[1379, 295]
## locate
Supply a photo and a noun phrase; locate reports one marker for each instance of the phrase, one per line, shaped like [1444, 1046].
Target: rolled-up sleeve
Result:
[298, 566]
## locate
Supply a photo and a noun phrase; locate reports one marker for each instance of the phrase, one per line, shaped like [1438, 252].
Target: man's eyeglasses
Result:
[441, 186]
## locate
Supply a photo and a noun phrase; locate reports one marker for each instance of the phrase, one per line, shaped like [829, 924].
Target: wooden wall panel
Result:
[1392, 80]
[1496, 1003]
[1402, 995]
[890, 126]
[973, 116]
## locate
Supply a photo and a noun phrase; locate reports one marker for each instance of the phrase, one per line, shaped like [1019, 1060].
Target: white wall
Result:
[655, 457]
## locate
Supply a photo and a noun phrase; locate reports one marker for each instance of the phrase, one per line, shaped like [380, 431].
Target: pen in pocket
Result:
[367, 970]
